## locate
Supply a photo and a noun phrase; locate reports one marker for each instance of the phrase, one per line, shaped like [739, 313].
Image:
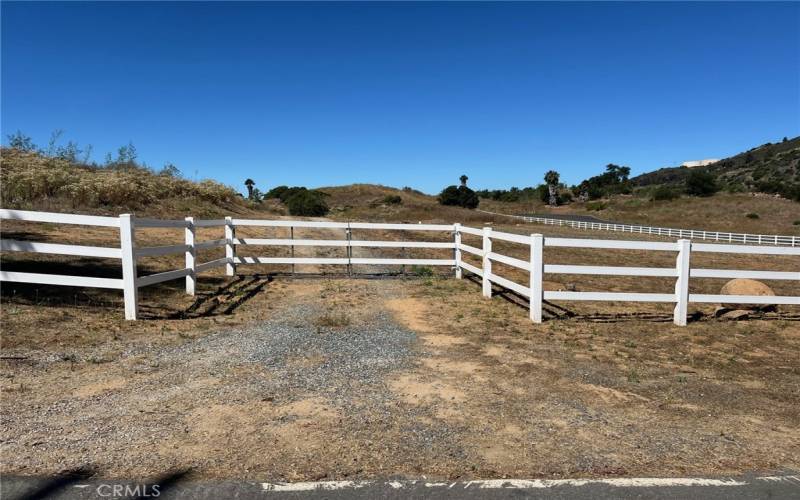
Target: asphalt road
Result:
[174, 487]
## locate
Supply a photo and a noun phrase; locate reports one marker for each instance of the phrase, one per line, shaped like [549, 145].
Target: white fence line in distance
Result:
[691, 234]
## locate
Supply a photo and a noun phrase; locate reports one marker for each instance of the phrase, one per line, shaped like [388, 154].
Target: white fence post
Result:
[457, 252]
[230, 248]
[349, 235]
[486, 284]
[127, 240]
[537, 273]
[191, 256]
[682, 283]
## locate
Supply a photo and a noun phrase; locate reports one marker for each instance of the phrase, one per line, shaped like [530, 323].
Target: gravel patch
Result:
[303, 357]
[292, 357]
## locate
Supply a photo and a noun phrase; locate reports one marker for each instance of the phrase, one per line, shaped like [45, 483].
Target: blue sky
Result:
[403, 94]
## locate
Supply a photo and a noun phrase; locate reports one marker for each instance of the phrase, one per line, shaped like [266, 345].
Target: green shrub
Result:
[752, 215]
[276, 193]
[664, 193]
[393, 200]
[283, 193]
[796, 223]
[544, 193]
[613, 181]
[307, 203]
[460, 196]
[596, 205]
[423, 271]
[701, 183]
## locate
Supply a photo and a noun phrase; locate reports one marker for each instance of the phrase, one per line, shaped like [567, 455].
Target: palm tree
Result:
[551, 178]
[250, 183]
[463, 180]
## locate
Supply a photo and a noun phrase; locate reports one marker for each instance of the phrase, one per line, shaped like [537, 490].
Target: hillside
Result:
[376, 203]
[32, 181]
[770, 168]
[35, 182]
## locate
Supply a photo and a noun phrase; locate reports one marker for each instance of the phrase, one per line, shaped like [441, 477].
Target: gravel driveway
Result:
[268, 397]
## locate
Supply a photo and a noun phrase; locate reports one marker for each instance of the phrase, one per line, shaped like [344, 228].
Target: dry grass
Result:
[34, 182]
[721, 212]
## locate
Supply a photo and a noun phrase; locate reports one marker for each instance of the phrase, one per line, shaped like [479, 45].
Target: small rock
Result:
[720, 311]
[736, 315]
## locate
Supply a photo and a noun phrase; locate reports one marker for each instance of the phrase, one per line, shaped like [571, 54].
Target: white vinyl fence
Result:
[691, 234]
[128, 253]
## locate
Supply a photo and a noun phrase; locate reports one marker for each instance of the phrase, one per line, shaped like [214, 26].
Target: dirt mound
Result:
[742, 286]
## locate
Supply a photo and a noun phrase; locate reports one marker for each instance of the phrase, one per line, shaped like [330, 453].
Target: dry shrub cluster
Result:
[30, 180]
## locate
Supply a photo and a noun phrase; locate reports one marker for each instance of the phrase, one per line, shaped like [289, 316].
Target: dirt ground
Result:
[314, 379]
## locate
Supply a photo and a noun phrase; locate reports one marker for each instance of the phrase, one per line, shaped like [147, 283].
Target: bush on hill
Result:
[514, 194]
[461, 196]
[613, 181]
[701, 183]
[393, 200]
[664, 193]
[300, 200]
[307, 203]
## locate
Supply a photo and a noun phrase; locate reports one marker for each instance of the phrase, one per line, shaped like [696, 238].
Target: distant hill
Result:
[372, 202]
[32, 181]
[769, 168]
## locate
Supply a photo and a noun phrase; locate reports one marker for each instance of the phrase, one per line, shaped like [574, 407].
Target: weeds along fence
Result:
[128, 253]
[691, 234]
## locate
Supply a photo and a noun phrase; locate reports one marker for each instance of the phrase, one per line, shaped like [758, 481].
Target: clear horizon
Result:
[403, 94]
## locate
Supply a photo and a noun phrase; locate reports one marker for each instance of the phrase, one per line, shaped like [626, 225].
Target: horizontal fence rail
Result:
[129, 254]
[682, 271]
[691, 234]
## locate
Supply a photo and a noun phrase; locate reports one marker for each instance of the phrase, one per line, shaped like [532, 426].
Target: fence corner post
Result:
[457, 248]
[191, 256]
[127, 240]
[486, 284]
[230, 248]
[682, 283]
[537, 274]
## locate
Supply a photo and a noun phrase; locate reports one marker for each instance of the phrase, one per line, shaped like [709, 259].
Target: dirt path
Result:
[371, 379]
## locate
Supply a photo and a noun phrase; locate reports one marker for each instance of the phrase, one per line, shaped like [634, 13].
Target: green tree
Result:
[307, 203]
[551, 178]
[249, 183]
[701, 183]
[460, 196]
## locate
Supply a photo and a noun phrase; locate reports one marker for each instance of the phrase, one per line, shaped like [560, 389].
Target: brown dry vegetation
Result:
[721, 212]
[34, 182]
